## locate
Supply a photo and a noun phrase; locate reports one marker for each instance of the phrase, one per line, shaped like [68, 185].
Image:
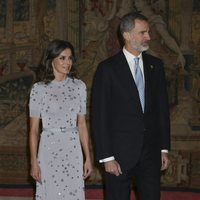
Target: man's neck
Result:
[132, 51]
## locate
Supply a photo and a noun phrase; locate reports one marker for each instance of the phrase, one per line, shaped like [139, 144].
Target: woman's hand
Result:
[87, 168]
[36, 172]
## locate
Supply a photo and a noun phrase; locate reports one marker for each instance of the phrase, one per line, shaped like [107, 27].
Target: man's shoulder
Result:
[112, 59]
[151, 57]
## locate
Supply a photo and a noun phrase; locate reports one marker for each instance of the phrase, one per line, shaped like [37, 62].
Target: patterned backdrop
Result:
[93, 26]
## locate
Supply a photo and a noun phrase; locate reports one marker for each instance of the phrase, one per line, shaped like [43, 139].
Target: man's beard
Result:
[140, 47]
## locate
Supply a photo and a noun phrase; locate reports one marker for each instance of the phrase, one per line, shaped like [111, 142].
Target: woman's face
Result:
[62, 64]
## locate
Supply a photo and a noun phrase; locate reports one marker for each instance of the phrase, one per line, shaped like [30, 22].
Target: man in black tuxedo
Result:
[130, 118]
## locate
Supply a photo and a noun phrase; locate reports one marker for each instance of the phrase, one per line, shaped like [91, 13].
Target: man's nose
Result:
[148, 36]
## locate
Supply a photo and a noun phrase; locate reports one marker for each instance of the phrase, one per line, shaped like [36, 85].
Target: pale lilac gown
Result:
[60, 156]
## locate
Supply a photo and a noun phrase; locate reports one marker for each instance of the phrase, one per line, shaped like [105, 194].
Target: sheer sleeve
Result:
[83, 99]
[35, 102]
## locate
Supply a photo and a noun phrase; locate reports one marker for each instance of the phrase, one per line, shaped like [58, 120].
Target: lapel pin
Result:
[151, 66]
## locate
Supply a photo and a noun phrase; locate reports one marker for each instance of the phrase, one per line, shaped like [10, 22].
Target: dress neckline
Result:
[60, 82]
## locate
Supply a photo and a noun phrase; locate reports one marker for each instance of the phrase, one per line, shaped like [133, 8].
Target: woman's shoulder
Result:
[78, 82]
[39, 86]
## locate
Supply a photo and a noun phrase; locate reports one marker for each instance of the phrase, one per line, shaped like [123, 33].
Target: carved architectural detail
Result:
[177, 174]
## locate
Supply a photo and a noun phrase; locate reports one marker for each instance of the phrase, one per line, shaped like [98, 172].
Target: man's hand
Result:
[113, 167]
[164, 161]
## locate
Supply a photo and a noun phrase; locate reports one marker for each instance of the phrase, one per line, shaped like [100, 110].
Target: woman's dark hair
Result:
[52, 51]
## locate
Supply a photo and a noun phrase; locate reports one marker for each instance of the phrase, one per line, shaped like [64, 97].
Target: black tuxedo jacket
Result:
[120, 127]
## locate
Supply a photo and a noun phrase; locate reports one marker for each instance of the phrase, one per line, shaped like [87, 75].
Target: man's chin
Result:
[145, 48]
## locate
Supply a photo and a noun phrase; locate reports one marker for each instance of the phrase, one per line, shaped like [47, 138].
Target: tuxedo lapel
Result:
[126, 79]
[148, 76]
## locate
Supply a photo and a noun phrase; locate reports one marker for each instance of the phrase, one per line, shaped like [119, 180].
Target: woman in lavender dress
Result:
[59, 102]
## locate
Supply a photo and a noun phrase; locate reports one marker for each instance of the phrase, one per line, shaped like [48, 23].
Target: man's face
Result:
[137, 39]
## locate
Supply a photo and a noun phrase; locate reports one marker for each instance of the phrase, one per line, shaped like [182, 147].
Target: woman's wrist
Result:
[87, 158]
[34, 161]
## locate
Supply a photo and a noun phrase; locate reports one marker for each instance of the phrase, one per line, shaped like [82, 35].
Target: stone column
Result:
[73, 23]
[68, 22]
[186, 39]
[186, 26]
[61, 19]
[9, 21]
[174, 18]
[9, 33]
[40, 11]
[32, 28]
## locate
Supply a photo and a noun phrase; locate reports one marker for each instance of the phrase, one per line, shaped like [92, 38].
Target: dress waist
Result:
[61, 129]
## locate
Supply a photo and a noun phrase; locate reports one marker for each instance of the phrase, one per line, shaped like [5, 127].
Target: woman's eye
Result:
[62, 58]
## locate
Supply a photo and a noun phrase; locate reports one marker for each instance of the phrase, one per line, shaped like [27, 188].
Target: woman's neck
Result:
[60, 78]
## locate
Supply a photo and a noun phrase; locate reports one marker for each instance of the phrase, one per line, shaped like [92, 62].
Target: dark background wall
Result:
[27, 26]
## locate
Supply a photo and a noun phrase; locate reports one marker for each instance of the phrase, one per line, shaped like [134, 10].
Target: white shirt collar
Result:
[129, 56]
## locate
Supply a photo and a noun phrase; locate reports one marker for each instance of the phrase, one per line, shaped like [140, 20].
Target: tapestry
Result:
[14, 92]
